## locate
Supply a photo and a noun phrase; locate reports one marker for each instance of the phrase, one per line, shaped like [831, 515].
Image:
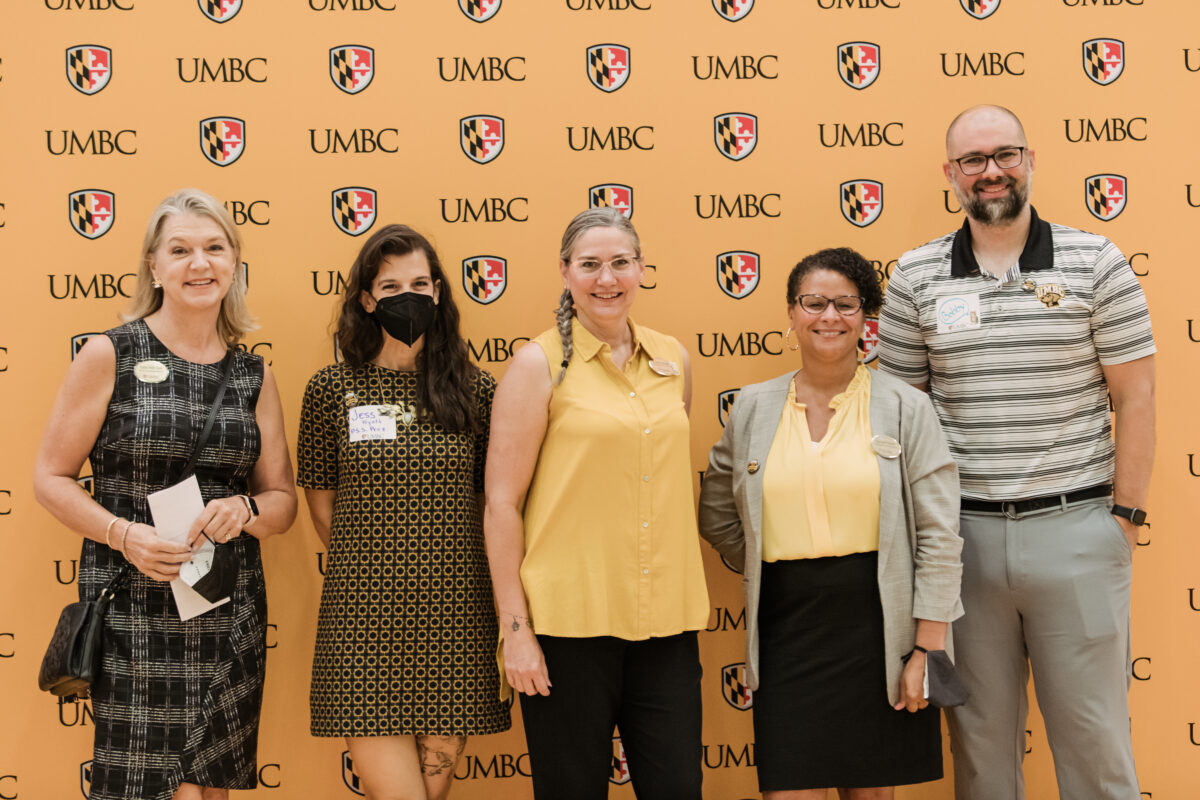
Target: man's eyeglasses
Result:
[1005, 158]
[618, 266]
[846, 305]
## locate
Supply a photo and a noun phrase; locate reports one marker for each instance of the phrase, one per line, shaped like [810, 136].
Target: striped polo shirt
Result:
[1013, 364]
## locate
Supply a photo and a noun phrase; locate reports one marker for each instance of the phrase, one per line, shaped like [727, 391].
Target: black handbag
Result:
[72, 660]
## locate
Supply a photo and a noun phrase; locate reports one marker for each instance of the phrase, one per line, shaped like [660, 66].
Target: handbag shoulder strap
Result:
[118, 581]
[114, 586]
[212, 412]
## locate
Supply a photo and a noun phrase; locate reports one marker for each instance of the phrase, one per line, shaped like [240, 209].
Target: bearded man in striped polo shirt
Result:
[1021, 330]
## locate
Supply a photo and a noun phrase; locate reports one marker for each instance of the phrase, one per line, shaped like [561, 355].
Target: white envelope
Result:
[174, 509]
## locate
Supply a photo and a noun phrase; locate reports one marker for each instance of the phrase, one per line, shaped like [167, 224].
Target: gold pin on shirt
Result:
[405, 415]
[1050, 294]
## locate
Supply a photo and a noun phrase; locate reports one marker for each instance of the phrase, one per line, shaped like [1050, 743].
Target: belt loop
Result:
[1062, 499]
[1010, 510]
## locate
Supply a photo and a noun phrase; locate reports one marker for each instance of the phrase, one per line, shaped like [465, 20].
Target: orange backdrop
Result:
[105, 105]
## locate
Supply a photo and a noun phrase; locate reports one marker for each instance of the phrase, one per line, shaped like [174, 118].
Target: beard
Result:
[999, 210]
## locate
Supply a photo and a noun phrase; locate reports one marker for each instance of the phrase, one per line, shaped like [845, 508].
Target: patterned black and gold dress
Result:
[406, 634]
[176, 701]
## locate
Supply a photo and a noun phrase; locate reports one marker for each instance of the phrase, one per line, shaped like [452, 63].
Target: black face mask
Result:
[405, 316]
[221, 580]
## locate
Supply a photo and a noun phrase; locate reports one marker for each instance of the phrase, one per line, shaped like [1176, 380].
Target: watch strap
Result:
[251, 507]
[1135, 515]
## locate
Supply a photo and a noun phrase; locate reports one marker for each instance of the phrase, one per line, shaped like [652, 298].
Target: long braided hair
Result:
[583, 222]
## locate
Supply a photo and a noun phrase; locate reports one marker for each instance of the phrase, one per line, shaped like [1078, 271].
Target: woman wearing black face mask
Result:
[391, 452]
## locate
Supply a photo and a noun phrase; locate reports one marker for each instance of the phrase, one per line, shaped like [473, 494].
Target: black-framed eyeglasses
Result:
[846, 305]
[1005, 158]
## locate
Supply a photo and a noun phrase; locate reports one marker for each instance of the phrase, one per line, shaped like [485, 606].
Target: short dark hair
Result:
[843, 261]
[445, 373]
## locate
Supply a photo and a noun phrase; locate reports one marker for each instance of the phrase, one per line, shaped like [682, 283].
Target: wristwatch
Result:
[252, 507]
[1135, 515]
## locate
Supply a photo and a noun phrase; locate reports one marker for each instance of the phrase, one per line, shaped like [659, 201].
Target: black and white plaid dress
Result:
[176, 701]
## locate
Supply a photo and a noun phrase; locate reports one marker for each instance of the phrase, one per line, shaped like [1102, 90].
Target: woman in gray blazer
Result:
[833, 491]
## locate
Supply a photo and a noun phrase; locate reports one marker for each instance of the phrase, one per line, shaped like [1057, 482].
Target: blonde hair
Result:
[584, 221]
[234, 320]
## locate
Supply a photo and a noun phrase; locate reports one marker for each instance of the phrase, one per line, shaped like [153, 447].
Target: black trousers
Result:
[649, 690]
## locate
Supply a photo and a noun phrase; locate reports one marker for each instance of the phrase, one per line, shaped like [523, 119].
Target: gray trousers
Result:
[1047, 590]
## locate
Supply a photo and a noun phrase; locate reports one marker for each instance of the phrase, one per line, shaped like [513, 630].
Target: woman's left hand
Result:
[221, 520]
[912, 684]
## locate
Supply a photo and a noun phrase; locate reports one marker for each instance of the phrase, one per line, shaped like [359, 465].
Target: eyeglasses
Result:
[1005, 158]
[621, 265]
[846, 305]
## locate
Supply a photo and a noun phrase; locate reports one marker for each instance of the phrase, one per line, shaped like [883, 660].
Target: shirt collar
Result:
[1038, 252]
[588, 346]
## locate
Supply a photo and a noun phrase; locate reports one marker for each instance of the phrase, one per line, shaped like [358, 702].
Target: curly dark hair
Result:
[445, 374]
[846, 262]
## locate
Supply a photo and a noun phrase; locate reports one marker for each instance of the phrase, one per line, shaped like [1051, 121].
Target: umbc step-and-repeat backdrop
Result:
[738, 134]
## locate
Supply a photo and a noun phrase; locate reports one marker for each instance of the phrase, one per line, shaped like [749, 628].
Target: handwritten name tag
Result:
[958, 312]
[366, 423]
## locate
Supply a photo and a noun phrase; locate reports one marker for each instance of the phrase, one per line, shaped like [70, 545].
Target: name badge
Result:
[664, 367]
[150, 371]
[958, 312]
[368, 423]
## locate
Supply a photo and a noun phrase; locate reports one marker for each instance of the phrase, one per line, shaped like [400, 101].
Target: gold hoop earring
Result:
[787, 335]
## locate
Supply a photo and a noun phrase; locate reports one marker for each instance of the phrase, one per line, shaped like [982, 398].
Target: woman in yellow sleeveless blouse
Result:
[834, 492]
[591, 534]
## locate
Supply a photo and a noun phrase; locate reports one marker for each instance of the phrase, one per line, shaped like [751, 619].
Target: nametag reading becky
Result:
[958, 312]
[366, 423]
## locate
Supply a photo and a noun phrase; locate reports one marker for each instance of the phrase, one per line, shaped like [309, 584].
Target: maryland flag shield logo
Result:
[92, 212]
[736, 134]
[1106, 195]
[479, 10]
[85, 778]
[980, 9]
[734, 688]
[485, 278]
[78, 341]
[620, 766]
[222, 139]
[612, 195]
[862, 201]
[870, 340]
[725, 404]
[354, 209]
[89, 67]
[733, 10]
[349, 776]
[737, 273]
[351, 67]
[608, 66]
[481, 137]
[220, 10]
[858, 64]
[1103, 60]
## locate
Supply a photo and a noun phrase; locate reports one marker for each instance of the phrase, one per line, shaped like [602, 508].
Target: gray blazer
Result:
[919, 546]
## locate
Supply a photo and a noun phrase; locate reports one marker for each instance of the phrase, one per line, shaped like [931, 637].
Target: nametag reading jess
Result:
[366, 424]
[958, 312]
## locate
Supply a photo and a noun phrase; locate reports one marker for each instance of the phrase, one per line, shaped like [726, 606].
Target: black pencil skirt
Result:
[821, 712]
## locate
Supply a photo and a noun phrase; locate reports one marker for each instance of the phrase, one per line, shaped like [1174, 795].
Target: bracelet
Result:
[917, 647]
[124, 536]
[108, 530]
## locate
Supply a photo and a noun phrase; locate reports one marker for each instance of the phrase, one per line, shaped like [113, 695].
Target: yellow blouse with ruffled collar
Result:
[822, 498]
